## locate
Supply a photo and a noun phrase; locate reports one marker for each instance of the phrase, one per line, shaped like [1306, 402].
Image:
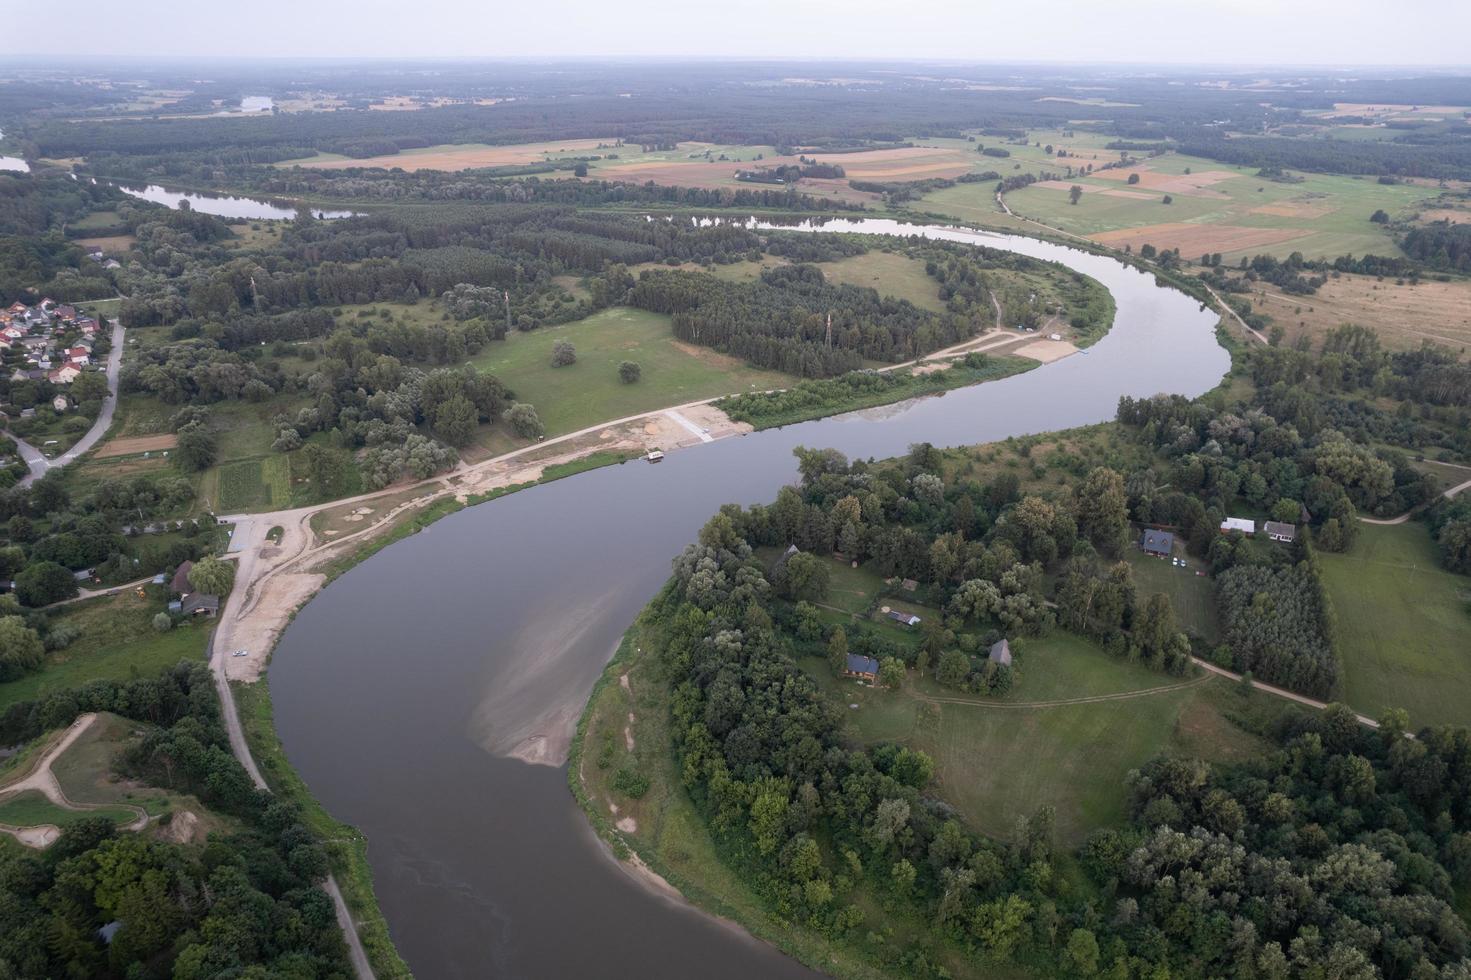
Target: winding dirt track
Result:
[41, 779]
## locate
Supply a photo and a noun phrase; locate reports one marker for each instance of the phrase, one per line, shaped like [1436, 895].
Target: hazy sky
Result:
[1403, 32]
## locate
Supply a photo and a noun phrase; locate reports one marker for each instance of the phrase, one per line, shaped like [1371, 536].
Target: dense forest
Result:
[245, 903]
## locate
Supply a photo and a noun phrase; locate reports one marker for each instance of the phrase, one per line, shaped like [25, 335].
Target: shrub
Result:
[163, 622]
[563, 354]
[631, 783]
[629, 372]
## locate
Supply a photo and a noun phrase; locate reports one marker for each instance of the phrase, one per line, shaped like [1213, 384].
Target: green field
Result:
[588, 392]
[31, 809]
[999, 759]
[1192, 595]
[1322, 215]
[117, 642]
[891, 274]
[1404, 626]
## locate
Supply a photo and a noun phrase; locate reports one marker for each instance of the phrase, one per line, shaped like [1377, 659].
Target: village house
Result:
[200, 604]
[1245, 525]
[903, 618]
[1161, 544]
[861, 667]
[1000, 653]
[1278, 531]
[64, 375]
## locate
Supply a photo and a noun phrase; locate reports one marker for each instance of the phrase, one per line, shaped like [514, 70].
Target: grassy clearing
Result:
[589, 392]
[1192, 595]
[31, 809]
[118, 641]
[891, 274]
[1322, 215]
[1000, 759]
[1402, 626]
[346, 847]
[85, 772]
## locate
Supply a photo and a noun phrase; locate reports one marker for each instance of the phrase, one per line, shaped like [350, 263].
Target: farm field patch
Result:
[1401, 626]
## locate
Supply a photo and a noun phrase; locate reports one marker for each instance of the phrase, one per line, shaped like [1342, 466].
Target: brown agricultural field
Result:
[1195, 239]
[137, 444]
[1405, 316]
[1454, 215]
[466, 157]
[1192, 185]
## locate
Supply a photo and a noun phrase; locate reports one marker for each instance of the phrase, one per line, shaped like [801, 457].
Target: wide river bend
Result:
[402, 688]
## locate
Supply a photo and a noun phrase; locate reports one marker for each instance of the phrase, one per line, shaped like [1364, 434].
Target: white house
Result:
[1242, 524]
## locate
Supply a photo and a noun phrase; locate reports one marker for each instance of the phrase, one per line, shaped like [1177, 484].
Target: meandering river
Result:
[223, 205]
[403, 688]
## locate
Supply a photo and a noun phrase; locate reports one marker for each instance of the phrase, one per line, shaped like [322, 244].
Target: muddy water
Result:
[406, 690]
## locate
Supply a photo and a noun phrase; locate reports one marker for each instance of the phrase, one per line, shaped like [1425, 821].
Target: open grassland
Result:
[1404, 315]
[1403, 624]
[891, 273]
[1221, 208]
[457, 156]
[588, 392]
[118, 641]
[1000, 759]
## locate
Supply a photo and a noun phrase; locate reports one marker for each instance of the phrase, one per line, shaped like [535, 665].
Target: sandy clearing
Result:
[465, 157]
[41, 779]
[279, 597]
[39, 837]
[1046, 351]
[1196, 239]
[137, 444]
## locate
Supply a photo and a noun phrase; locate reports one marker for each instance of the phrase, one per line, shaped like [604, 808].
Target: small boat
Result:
[654, 456]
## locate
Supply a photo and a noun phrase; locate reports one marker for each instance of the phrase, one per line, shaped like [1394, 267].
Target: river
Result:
[223, 205]
[402, 688]
[13, 163]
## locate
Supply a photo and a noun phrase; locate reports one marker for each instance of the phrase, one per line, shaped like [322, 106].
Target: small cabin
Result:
[200, 604]
[1278, 531]
[1001, 653]
[904, 618]
[1161, 544]
[861, 667]
[1245, 525]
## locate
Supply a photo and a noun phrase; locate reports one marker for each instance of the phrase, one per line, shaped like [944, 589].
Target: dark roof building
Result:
[1001, 652]
[1160, 543]
[861, 666]
[199, 604]
[903, 617]
[180, 582]
[1278, 531]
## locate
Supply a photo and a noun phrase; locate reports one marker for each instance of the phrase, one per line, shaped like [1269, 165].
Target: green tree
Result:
[629, 372]
[455, 420]
[1103, 509]
[163, 622]
[197, 448]
[1074, 193]
[891, 673]
[564, 354]
[524, 421]
[212, 576]
[21, 649]
[1081, 953]
[802, 576]
[44, 582]
[837, 651]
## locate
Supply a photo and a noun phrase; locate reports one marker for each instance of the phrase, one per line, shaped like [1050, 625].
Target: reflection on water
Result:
[223, 205]
[398, 689]
[13, 163]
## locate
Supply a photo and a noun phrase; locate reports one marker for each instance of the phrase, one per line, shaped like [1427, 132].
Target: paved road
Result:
[38, 462]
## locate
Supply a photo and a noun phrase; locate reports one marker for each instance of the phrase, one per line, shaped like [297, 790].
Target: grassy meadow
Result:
[1402, 623]
[588, 392]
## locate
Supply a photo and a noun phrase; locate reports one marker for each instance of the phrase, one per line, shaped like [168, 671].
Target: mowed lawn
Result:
[997, 760]
[589, 392]
[891, 274]
[1191, 595]
[1404, 626]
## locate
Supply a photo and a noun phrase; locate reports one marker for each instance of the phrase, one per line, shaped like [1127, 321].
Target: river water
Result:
[12, 163]
[401, 690]
[223, 205]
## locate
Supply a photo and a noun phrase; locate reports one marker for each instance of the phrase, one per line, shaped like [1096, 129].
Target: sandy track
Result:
[42, 780]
